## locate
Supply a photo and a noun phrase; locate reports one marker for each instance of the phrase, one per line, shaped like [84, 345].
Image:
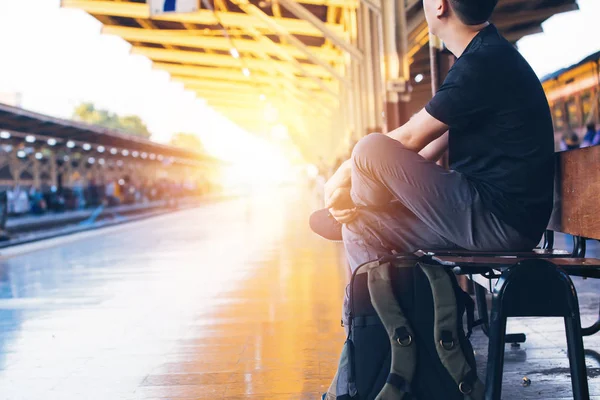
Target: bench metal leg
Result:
[482, 313]
[553, 296]
[495, 363]
[576, 358]
[592, 330]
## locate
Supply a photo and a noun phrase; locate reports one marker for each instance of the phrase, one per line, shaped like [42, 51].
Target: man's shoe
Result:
[323, 224]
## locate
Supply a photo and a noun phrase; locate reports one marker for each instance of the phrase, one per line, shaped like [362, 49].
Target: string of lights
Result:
[8, 139]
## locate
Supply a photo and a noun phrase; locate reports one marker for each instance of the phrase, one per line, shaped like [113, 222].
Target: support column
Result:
[37, 179]
[16, 167]
[396, 62]
[368, 77]
[53, 168]
[441, 60]
[379, 72]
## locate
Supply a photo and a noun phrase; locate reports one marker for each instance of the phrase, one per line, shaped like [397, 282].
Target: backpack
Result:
[406, 339]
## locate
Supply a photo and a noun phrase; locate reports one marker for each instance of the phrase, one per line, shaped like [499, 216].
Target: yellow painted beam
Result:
[252, 95]
[342, 41]
[195, 39]
[228, 86]
[248, 101]
[267, 42]
[246, 98]
[284, 34]
[256, 112]
[252, 110]
[207, 88]
[257, 109]
[220, 76]
[256, 117]
[218, 60]
[202, 17]
[232, 88]
[420, 39]
[231, 74]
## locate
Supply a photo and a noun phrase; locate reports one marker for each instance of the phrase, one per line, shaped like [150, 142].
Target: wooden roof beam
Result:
[251, 95]
[195, 39]
[226, 90]
[232, 86]
[261, 17]
[219, 60]
[205, 89]
[228, 74]
[240, 88]
[532, 16]
[518, 34]
[281, 53]
[201, 17]
[301, 12]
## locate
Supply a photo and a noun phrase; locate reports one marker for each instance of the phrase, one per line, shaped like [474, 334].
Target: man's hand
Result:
[341, 207]
[340, 179]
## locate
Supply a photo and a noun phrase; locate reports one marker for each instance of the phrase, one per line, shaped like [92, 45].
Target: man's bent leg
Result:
[383, 170]
[375, 234]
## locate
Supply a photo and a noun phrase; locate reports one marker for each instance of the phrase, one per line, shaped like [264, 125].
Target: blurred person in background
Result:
[569, 141]
[590, 135]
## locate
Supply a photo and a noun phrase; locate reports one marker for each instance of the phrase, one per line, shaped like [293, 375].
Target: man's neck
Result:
[459, 37]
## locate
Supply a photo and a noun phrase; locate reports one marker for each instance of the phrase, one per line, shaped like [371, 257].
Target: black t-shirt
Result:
[501, 134]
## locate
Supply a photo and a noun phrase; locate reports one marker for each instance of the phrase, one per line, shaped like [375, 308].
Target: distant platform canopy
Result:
[42, 130]
[589, 60]
[574, 96]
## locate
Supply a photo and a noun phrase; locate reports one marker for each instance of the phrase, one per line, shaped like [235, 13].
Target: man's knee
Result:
[375, 147]
[369, 145]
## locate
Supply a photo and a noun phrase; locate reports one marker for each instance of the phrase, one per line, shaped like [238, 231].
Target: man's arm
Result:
[421, 130]
[434, 150]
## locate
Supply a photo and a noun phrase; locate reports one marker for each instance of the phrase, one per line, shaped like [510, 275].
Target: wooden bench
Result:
[537, 283]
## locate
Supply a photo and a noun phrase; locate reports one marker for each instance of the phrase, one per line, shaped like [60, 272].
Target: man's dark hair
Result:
[473, 12]
[591, 126]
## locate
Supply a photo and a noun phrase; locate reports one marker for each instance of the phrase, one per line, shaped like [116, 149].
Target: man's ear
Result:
[443, 8]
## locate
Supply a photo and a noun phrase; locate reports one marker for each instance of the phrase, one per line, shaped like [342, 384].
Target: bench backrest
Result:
[577, 193]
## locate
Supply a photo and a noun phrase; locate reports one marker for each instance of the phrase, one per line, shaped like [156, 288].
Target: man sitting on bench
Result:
[391, 196]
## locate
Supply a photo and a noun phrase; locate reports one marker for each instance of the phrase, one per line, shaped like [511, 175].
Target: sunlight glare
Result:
[258, 163]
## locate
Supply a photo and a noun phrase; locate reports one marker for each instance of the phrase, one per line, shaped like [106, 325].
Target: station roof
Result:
[20, 122]
[293, 49]
[592, 57]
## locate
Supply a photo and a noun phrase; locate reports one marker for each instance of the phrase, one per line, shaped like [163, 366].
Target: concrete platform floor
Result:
[233, 300]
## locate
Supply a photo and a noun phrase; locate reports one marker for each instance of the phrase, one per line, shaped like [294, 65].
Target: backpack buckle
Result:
[403, 336]
[447, 341]
[465, 388]
[404, 342]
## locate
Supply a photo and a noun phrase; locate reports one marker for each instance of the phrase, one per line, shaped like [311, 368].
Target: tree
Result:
[188, 141]
[131, 124]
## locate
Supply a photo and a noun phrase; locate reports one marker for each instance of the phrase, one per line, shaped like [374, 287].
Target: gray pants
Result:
[407, 203]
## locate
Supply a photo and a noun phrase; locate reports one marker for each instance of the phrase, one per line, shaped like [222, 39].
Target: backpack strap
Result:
[404, 352]
[470, 310]
[446, 333]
